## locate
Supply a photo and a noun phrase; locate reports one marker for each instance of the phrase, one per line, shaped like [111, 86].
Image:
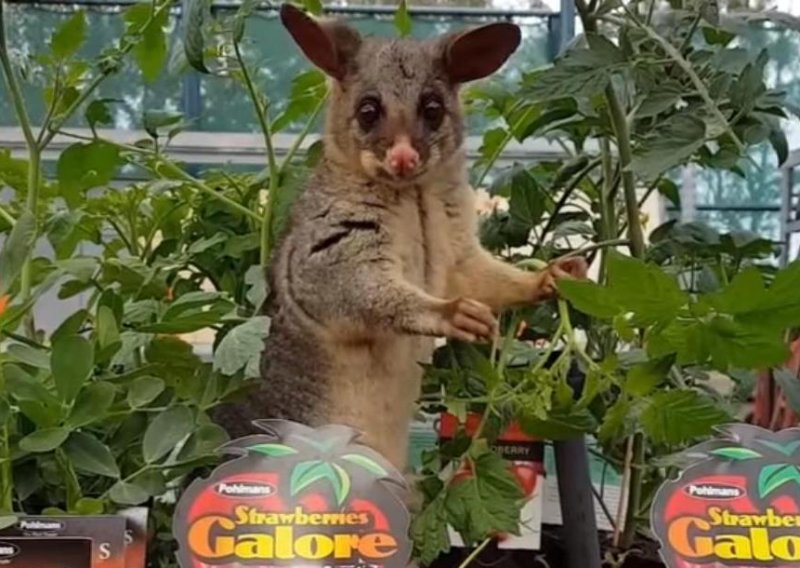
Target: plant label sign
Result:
[736, 505]
[296, 496]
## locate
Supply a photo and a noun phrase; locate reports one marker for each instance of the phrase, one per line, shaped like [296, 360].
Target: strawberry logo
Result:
[295, 496]
[737, 504]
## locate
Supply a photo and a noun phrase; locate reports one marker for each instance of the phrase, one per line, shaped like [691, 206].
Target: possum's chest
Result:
[420, 231]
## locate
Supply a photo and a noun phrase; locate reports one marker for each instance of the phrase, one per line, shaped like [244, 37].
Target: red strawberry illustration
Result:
[295, 497]
[739, 505]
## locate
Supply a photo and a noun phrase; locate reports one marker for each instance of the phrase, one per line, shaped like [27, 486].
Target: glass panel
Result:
[765, 223]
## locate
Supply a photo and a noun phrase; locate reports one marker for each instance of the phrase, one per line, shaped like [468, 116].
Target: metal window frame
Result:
[790, 214]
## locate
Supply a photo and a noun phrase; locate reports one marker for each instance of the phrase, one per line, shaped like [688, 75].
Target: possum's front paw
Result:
[468, 320]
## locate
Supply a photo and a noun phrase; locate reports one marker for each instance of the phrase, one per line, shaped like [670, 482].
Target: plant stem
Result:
[32, 202]
[502, 146]
[475, 553]
[8, 217]
[199, 184]
[6, 473]
[300, 138]
[635, 491]
[13, 86]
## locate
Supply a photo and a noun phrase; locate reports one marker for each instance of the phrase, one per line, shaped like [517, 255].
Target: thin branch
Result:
[13, 85]
[298, 141]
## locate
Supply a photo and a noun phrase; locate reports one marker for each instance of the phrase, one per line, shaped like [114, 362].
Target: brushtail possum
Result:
[381, 253]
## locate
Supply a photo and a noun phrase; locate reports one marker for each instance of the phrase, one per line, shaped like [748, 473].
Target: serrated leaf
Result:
[736, 454]
[559, 424]
[527, 203]
[677, 417]
[241, 348]
[774, 476]
[643, 378]
[672, 144]
[273, 450]
[366, 463]
[402, 20]
[16, 249]
[193, 41]
[69, 37]
[144, 390]
[44, 440]
[486, 503]
[429, 531]
[166, 431]
[643, 289]
[72, 363]
[90, 455]
[589, 298]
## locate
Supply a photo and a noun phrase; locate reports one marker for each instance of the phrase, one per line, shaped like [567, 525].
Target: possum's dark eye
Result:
[432, 110]
[368, 113]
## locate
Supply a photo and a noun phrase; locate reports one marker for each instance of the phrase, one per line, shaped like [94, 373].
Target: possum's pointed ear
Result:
[479, 52]
[330, 45]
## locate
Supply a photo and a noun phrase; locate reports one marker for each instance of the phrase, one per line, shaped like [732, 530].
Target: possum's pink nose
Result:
[401, 159]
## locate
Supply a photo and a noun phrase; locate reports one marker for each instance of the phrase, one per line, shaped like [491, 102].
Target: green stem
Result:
[568, 191]
[6, 473]
[13, 86]
[634, 491]
[298, 141]
[108, 69]
[475, 553]
[502, 146]
[199, 184]
[8, 217]
[622, 132]
[32, 202]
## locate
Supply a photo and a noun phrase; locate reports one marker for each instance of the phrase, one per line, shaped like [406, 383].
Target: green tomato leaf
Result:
[645, 377]
[72, 363]
[670, 145]
[90, 455]
[590, 298]
[98, 113]
[69, 37]
[85, 165]
[677, 417]
[486, 503]
[241, 348]
[560, 424]
[166, 431]
[16, 248]
[44, 440]
[157, 119]
[429, 531]
[527, 203]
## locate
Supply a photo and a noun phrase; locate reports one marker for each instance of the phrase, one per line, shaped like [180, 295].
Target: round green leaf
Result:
[90, 455]
[144, 390]
[71, 362]
[126, 493]
[92, 404]
[166, 432]
[44, 440]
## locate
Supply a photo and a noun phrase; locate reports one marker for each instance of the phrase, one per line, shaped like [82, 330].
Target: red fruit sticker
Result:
[737, 505]
[295, 496]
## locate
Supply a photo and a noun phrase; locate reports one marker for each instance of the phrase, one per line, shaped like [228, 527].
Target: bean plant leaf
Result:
[154, 120]
[166, 431]
[774, 476]
[70, 36]
[402, 19]
[90, 455]
[97, 112]
[91, 404]
[144, 390]
[126, 493]
[16, 248]
[150, 51]
[193, 41]
[241, 348]
[679, 416]
[72, 363]
[44, 440]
